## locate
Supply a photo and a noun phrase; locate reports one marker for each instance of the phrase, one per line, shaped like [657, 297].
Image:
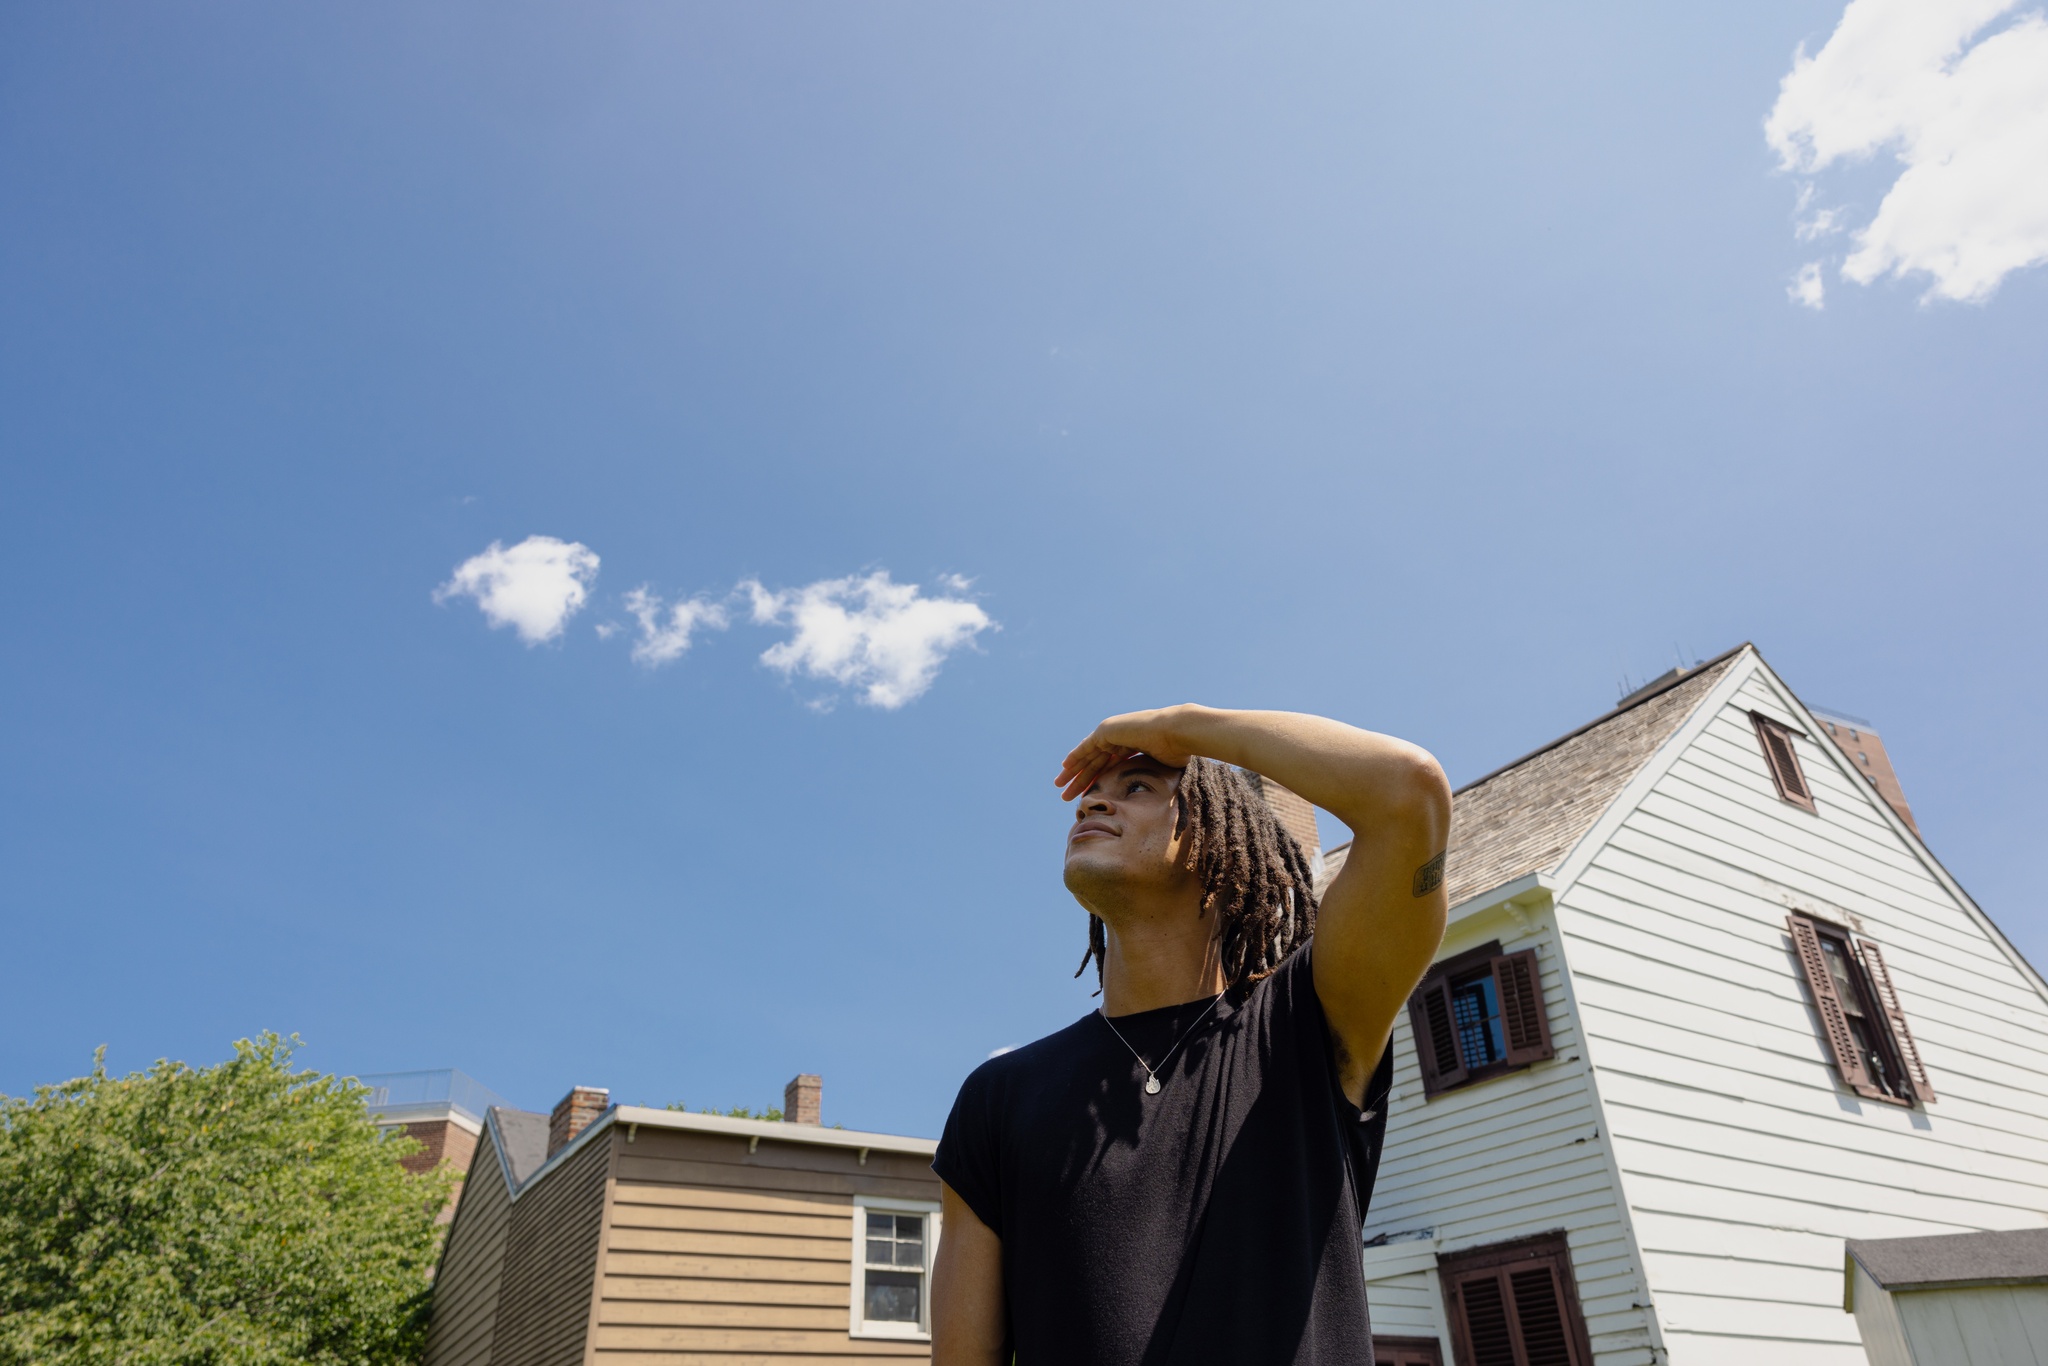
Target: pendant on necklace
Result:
[1151, 1086]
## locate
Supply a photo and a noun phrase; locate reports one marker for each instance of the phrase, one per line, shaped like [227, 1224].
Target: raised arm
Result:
[1381, 919]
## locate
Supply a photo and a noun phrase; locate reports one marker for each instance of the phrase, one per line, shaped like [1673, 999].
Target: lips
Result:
[1093, 828]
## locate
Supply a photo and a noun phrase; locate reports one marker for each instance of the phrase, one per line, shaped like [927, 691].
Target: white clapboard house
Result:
[1707, 1008]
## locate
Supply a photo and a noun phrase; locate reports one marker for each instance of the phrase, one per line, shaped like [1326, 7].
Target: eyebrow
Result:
[1133, 768]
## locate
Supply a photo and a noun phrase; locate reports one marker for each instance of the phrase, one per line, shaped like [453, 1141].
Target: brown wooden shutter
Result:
[1487, 1337]
[1516, 1307]
[1783, 760]
[1902, 1034]
[1524, 1022]
[1834, 1022]
[1436, 1039]
[1539, 1316]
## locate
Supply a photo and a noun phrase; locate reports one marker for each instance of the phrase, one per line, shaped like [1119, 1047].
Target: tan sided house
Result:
[623, 1234]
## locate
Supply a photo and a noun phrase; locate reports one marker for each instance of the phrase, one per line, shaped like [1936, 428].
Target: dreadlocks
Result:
[1253, 873]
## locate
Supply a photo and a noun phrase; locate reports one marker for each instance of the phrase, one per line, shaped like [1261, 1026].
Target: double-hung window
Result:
[1478, 1015]
[893, 1244]
[1860, 1017]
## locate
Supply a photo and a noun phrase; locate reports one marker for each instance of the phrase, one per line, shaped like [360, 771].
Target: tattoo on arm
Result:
[1430, 875]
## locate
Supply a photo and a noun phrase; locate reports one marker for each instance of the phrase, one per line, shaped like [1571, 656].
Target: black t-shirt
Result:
[1217, 1221]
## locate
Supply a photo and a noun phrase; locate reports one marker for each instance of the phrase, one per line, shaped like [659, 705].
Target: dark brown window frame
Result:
[1511, 1262]
[1525, 1021]
[1407, 1351]
[1781, 757]
[1876, 1007]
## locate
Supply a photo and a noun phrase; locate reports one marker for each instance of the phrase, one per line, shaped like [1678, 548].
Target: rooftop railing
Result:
[393, 1093]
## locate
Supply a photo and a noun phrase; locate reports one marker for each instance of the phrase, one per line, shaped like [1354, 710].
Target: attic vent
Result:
[1783, 759]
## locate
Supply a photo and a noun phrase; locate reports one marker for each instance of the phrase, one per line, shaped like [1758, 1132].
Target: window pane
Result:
[1476, 1014]
[881, 1225]
[881, 1252]
[893, 1296]
[1873, 1060]
[1838, 968]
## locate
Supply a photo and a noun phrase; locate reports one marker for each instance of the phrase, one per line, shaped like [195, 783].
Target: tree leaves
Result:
[237, 1215]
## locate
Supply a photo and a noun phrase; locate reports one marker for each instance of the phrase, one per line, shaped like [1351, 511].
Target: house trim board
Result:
[396, 1115]
[1652, 772]
[1914, 844]
[1539, 884]
[641, 1116]
[1568, 872]
[504, 1168]
[604, 1247]
[497, 1143]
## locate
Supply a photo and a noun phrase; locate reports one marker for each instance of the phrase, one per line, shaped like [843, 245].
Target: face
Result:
[1123, 838]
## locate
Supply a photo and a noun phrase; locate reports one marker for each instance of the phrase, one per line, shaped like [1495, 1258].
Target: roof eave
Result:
[1528, 884]
[774, 1131]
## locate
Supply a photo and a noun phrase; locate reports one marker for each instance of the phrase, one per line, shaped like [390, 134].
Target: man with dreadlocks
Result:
[1181, 1177]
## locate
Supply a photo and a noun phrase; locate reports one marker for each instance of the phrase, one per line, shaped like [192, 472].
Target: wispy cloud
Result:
[1807, 287]
[662, 641]
[1964, 108]
[533, 587]
[885, 639]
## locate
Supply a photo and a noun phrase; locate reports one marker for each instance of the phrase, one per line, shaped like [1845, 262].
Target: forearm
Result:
[1365, 779]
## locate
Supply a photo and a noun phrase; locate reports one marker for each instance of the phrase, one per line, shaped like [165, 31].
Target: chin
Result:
[1091, 872]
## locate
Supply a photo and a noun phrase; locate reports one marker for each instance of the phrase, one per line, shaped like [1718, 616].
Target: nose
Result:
[1091, 803]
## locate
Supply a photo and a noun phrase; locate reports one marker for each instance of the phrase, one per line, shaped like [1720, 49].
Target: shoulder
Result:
[1289, 987]
[1015, 1069]
[1012, 1064]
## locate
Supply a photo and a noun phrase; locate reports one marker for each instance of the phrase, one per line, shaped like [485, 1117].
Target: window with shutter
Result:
[1860, 1018]
[1782, 758]
[1407, 1352]
[1515, 1304]
[1902, 1033]
[1478, 1015]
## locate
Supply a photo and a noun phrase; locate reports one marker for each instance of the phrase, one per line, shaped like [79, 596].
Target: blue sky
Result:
[1430, 368]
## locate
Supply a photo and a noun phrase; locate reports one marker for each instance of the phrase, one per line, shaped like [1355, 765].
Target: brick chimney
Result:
[1296, 817]
[803, 1099]
[573, 1114]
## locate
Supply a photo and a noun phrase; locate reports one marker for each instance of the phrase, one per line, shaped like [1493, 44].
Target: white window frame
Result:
[861, 1327]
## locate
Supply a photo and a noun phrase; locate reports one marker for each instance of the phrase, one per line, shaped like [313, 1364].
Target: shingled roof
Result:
[1525, 817]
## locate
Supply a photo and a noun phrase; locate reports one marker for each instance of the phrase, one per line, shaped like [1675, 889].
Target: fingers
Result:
[1086, 763]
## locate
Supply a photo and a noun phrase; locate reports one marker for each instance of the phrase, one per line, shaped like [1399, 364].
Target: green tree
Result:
[736, 1112]
[236, 1215]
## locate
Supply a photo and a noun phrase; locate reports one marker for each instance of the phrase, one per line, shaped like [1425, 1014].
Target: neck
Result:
[1159, 960]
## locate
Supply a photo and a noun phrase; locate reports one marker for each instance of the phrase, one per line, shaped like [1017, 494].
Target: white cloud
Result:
[1966, 115]
[886, 639]
[1806, 287]
[662, 641]
[534, 587]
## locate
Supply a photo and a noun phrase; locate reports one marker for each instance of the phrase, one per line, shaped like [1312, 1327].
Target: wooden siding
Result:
[550, 1262]
[714, 1254]
[466, 1282]
[1744, 1160]
[1518, 1155]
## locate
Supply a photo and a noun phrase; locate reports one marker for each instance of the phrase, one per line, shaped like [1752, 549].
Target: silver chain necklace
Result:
[1151, 1072]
